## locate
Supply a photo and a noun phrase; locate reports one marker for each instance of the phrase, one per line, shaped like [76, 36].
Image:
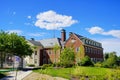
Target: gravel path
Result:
[37, 76]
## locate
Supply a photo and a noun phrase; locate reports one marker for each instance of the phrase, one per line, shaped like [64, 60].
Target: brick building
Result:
[44, 52]
[84, 46]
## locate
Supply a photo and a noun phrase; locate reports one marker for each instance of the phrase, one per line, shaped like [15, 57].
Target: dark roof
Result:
[82, 38]
[36, 43]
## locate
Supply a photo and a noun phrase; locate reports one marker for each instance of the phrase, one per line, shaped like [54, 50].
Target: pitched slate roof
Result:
[49, 43]
[92, 42]
[35, 43]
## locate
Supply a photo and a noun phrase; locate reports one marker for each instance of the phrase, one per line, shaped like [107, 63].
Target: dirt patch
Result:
[37, 76]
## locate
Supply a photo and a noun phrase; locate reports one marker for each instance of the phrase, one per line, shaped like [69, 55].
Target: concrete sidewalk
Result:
[20, 75]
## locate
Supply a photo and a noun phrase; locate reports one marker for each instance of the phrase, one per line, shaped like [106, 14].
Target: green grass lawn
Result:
[92, 72]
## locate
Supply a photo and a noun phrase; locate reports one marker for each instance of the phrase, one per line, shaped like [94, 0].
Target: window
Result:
[49, 51]
[35, 60]
[77, 49]
[86, 49]
[91, 50]
[35, 52]
[86, 41]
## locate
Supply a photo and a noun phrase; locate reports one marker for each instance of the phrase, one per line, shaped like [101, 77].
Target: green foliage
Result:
[18, 45]
[67, 57]
[60, 72]
[44, 66]
[31, 65]
[3, 46]
[86, 61]
[106, 55]
[98, 64]
[111, 61]
[13, 44]
[81, 73]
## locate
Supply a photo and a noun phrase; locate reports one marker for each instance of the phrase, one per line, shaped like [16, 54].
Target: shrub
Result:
[31, 65]
[86, 61]
[67, 57]
[98, 64]
[47, 65]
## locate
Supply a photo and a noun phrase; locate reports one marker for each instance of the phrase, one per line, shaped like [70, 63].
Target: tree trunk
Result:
[1, 59]
[21, 63]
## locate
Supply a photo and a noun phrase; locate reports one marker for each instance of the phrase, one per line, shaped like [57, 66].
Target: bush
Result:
[86, 61]
[98, 64]
[47, 65]
[31, 65]
[67, 57]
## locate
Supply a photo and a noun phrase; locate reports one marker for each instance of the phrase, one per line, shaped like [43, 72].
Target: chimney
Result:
[63, 35]
[32, 39]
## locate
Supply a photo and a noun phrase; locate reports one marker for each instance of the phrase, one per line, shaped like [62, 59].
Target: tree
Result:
[13, 44]
[67, 57]
[118, 58]
[106, 55]
[86, 61]
[56, 48]
[19, 46]
[111, 60]
[3, 46]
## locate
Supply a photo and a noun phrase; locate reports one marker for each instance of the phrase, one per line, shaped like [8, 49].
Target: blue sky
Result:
[95, 19]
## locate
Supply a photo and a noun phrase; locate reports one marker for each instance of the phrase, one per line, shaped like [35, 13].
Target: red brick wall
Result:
[77, 43]
[49, 54]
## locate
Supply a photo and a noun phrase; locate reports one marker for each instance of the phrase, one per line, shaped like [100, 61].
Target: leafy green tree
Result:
[19, 46]
[106, 55]
[111, 60]
[86, 61]
[13, 44]
[118, 58]
[67, 57]
[3, 46]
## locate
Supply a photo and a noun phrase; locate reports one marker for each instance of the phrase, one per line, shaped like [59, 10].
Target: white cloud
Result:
[115, 33]
[110, 45]
[36, 34]
[99, 30]
[14, 31]
[50, 20]
[95, 30]
[29, 17]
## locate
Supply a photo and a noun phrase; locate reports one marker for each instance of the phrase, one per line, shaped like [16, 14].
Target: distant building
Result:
[44, 49]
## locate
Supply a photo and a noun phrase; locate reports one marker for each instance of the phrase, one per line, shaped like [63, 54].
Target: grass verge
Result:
[95, 73]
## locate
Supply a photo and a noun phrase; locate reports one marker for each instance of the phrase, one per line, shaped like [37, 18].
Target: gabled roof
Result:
[35, 43]
[83, 39]
[49, 43]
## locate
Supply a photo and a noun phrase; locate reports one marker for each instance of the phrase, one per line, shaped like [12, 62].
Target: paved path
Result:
[20, 75]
